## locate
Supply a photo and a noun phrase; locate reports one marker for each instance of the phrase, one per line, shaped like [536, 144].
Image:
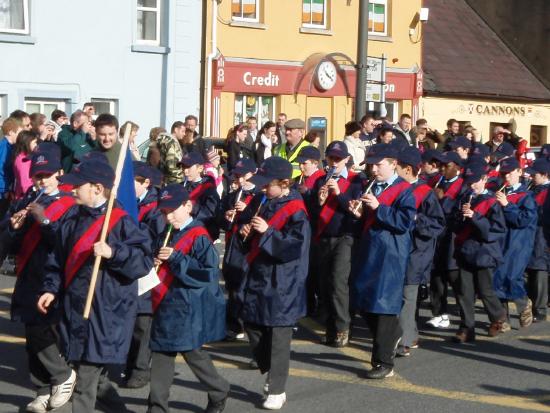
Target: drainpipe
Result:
[209, 59]
[361, 65]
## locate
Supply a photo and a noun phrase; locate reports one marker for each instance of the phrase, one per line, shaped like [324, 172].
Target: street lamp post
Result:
[361, 65]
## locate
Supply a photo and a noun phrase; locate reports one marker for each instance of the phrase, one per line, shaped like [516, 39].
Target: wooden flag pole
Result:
[103, 237]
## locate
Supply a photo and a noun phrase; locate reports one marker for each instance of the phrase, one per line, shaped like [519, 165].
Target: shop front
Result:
[320, 90]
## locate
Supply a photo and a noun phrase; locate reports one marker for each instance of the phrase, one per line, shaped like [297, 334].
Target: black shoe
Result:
[538, 318]
[379, 372]
[137, 382]
[215, 407]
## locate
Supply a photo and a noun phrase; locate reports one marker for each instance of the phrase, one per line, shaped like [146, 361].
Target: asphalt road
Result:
[510, 373]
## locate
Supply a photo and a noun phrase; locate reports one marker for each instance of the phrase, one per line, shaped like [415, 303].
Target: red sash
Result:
[330, 207]
[309, 182]
[33, 236]
[420, 193]
[541, 197]
[199, 190]
[234, 227]
[434, 180]
[515, 198]
[454, 189]
[277, 221]
[84, 247]
[482, 208]
[387, 198]
[166, 277]
[145, 209]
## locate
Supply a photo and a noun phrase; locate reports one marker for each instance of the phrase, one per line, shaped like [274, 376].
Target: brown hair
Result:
[10, 125]
[134, 126]
[23, 142]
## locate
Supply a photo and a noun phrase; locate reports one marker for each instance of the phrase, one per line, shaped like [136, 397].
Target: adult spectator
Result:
[266, 140]
[191, 122]
[294, 129]
[356, 147]
[431, 137]
[313, 138]
[252, 125]
[368, 124]
[22, 118]
[10, 130]
[89, 110]
[453, 129]
[170, 153]
[60, 117]
[39, 125]
[497, 138]
[148, 150]
[74, 139]
[25, 144]
[281, 132]
[403, 129]
[236, 146]
[132, 141]
[191, 141]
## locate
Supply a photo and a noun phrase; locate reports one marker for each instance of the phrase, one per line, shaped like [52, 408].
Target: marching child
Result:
[202, 192]
[233, 204]
[309, 159]
[188, 304]
[520, 215]
[275, 236]
[152, 222]
[479, 225]
[380, 264]
[429, 224]
[430, 167]
[103, 339]
[32, 233]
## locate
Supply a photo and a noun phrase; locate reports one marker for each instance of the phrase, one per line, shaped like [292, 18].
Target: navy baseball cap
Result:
[545, 151]
[308, 153]
[410, 156]
[380, 151]
[432, 155]
[156, 177]
[451, 156]
[143, 170]
[480, 149]
[244, 166]
[46, 163]
[90, 171]
[473, 173]
[541, 166]
[272, 168]
[508, 165]
[460, 142]
[337, 149]
[173, 196]
[92, 156]
[50, 147]
[504, 149]
[190, 159]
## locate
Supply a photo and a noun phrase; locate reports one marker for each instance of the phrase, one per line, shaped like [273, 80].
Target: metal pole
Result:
[361, 66]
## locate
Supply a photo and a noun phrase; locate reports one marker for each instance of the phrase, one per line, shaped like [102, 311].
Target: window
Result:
[245, 10]
[314, 13]
[378, 17]
[14, 16]
[538, 135]
[44, 106]
[391, 110]
[148, 22]
[105, 106]
[262, 107]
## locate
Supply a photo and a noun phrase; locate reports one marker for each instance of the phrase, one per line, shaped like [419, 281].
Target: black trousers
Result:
[386, 331]
[162, 375]
[537, 282]
[46, 366]
[139, 355]
[271, 350]
[482, 280]
[334, 266]
[439, 287]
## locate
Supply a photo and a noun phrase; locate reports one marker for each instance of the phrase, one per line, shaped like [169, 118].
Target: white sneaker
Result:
[39, 405]
[275, 401]
[62, 392]
[441, 321]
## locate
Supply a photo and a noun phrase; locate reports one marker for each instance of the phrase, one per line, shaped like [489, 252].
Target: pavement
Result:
[509, 373]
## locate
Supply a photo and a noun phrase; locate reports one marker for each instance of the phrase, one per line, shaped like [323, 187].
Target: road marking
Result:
[12, 339]
[6, 290]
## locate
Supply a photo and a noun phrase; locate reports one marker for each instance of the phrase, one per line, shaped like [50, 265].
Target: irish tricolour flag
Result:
[313, 11]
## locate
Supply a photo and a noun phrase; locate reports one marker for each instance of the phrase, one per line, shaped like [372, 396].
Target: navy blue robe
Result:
[540, 260]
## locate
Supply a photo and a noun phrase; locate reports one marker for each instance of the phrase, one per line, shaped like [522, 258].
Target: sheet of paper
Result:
[148, 282]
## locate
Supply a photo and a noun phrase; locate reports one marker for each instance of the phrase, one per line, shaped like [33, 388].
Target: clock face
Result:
[326, 75]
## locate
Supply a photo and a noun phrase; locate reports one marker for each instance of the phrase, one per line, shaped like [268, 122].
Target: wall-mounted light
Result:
[415, 28]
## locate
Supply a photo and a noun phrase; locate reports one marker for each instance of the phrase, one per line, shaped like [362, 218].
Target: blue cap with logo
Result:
[190, 159]
[541, 166]
[474, 172]
[432, 155]
[172, 196]
[90, 171]
[272, 168]
[451, 156]
[308, 153]
[337, 149]
[410, 156]
[480, 149]
[509, 165]
[380, 151]
[45, 163]
[244, 166]
[460, 142]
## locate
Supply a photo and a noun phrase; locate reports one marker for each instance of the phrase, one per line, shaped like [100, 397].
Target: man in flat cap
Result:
[294, 143]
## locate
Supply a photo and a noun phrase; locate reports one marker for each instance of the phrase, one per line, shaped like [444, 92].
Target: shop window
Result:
[314, 13]
[261, 107]
[14, 16]
[148, 22]
[245, 10]
[44, 106]
[378, 17]
[537, 136]
[105, 106]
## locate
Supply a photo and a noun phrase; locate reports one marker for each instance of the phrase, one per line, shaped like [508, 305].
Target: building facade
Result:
[138, 59]
[298, 57]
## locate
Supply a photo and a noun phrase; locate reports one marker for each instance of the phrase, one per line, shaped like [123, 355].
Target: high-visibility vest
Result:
[280, 151]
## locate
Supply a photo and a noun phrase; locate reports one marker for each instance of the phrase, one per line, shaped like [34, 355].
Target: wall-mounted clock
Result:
[326, 75]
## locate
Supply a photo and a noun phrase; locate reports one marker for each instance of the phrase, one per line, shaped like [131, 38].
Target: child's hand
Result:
[101, 249]
[240, 206]
[466, 211]
[323, 194]
[259, 225]
[502, 199]
[332, 185]
[164, 253]
[355, 206]
[371, 201]
[18, 219]
[245, 230]
[157, 262]
[439, 193]
[44, 302]
[37, 211]
[230, 215]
